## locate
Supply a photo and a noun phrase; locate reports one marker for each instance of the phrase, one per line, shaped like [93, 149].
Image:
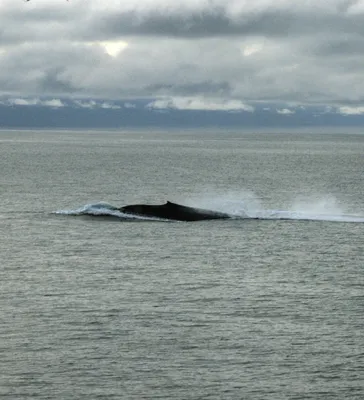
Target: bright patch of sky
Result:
[114, 48]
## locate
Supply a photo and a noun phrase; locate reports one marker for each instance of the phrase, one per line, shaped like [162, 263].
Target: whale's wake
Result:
[237, 210]
[248, 205]
[307, 216]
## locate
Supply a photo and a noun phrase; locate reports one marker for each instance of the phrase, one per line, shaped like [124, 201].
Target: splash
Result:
[246, 204]
[103, 209]
[324, 208]
[93, 209]
[238, 204]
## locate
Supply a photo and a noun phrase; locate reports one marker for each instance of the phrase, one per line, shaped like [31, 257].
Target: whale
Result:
[172, 211]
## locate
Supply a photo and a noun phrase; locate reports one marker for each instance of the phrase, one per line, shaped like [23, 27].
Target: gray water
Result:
[94, 307]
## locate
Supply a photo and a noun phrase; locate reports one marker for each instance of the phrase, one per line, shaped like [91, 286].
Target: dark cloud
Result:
[211, 23]
[194, 89]
[343, 46]
[263, 50]
[203, 20]
[53, 81]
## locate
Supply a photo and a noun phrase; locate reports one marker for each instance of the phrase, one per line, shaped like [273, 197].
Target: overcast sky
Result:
[233, 52]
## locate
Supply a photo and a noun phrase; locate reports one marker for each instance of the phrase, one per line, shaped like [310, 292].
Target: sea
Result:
[266, 305]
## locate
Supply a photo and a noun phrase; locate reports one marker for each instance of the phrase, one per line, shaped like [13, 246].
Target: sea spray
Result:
[243, 204]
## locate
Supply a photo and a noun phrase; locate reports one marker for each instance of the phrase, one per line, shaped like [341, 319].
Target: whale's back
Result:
[173, 211]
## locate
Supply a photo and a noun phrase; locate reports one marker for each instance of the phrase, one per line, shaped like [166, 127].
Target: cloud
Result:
[221, 51]
[199, 104]
[285, 111]
[94, 20]
[351, 110]
[92, 104]
[23, 102]
[54, 103]
[58, 103]
[85, 104]
[110, 106]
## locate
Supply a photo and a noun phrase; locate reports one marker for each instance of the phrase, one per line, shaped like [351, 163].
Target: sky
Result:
[214, 55]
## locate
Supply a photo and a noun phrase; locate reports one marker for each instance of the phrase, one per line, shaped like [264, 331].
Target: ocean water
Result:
[100, 307]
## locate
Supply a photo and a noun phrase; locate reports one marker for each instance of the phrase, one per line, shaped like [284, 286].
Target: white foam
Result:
[246, 204]
[103, 209]
[100, 208]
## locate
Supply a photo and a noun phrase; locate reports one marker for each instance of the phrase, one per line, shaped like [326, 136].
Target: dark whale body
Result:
[173, 211]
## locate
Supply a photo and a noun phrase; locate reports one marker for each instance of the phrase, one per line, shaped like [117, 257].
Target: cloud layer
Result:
[231, 52]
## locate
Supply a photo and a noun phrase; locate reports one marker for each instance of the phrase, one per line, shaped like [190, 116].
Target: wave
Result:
[103, 209]
[303, 211]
